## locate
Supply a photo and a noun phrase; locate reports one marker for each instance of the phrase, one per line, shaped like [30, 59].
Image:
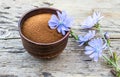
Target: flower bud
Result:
[106, 35]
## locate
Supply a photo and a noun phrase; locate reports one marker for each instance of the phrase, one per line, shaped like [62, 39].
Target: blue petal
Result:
[66, 28]
[53, 25]
[63, 27]
[92, 55]
[88, 52]
[68, 21]
[59, 15]
[81, 38]
[104, 46]
[88, 48]
[54, 19]
[97, 17]
[81, 43]
[100, 53]
[100, 42]
[63, 32]
[90, 35]
[96, 57]
[59, 29]
[92, 43]
[53, 22]
[88, 23]
[64, 16]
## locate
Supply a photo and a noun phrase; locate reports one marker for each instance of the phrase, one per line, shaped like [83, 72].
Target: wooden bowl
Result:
[42, 50]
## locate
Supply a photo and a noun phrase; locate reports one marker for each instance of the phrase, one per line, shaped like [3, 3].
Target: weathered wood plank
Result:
[16, 62]
[16, 45]
[13, 59]
[10, 31]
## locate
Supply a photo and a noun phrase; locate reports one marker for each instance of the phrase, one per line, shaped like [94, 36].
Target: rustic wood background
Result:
[16, 62]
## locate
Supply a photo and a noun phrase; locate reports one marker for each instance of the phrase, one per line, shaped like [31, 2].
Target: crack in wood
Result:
[8, 76]
[2, 32]
[3, 12]
[7, 7]
[16, 51]
[5, 22]
[9, 38]
[114, 23]
[4, 17]
[8, 47]
[17, 16]
[47, 74]
[48, 3]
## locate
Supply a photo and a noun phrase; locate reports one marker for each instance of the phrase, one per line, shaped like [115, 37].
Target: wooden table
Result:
[16, 62]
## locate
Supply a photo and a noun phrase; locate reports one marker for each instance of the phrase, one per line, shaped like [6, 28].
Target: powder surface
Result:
[36, 29]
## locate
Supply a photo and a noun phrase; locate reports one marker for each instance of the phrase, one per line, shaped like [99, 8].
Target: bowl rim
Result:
[20, 28]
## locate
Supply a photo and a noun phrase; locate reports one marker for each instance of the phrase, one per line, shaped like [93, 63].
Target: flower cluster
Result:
[94, 46]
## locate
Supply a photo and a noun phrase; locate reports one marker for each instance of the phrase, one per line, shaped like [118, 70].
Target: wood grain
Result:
[16, 62]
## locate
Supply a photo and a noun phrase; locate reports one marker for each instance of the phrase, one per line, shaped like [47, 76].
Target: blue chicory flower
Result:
[88, 23]
[62, 22]
[87, 37]
[97, 17]
[92, 20]
[95, 48]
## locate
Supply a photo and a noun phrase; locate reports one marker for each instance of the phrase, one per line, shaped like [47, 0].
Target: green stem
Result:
[74, 35]
[110, 52]
[107, 59]
[117, 69]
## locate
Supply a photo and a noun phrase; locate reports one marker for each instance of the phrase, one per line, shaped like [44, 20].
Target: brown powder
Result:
[36, 29]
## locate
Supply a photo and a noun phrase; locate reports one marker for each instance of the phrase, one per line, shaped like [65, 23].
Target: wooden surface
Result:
[16, 62]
